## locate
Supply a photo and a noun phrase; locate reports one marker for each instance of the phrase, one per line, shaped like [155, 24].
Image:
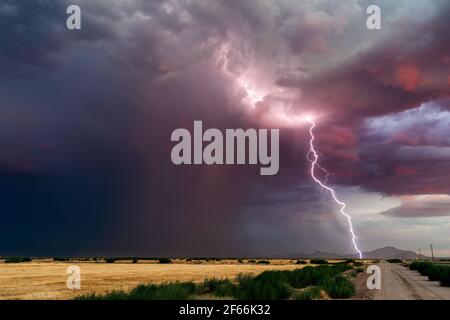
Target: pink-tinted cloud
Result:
[407, 76]
[400, 72]
[405, 171]
[422, 206]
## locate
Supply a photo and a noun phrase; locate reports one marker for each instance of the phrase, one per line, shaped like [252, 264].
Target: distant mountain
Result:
[327, 255]
[381, 253]
[390, 252]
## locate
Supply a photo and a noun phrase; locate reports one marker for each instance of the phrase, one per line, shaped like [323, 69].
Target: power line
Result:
[432, 254]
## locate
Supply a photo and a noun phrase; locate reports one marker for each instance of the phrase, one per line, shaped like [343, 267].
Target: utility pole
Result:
[432, 254]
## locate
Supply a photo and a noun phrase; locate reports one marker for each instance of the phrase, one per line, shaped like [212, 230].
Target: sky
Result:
[86, 118]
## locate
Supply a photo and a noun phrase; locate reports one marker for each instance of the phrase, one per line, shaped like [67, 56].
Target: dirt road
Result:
[400, 283]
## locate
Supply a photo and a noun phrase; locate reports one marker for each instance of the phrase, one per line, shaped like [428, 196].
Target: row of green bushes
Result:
[435, 272]
[167, 260]
[269, 285]
[135, 260]
[203, 259]
[318, 261]
[108, 260]
[160, 260]
[17, 260]
[323, 261]
[394, 260]
[65, 259]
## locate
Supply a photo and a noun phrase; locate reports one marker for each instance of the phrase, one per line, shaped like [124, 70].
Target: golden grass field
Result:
[45, 279]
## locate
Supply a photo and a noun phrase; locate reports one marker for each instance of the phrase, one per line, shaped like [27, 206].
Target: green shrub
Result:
[359, 269]
[135, 260]
[266, 286]
[421, 266]
[425, 268]
[220, 287]
[301, 262]
[394, 260]
[310, 276]
[164, 291]
[312, 293]
[318, 261]
[434, 272]
[240, 261]
[211, 284]
[413, 265]
[110, 260]
[264, 262]
[445, 277]
[338, 287]
[165, 260]
[60, 259]
[113, 295]
[225, 289]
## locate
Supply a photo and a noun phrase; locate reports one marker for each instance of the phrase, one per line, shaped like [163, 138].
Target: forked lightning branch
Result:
[314, 164]
[235, 139]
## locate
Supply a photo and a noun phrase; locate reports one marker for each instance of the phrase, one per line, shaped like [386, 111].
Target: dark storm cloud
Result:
[409, 66]
[86, 118]
[400, 154]
[110, 126]
[405, 153]
[28, 33]
[34, 36]
[406, 69]
[424, 126]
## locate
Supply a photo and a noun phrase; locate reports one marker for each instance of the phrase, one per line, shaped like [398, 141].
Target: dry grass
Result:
[46, 279]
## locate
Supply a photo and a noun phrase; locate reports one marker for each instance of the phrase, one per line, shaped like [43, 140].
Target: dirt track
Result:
[400, 283]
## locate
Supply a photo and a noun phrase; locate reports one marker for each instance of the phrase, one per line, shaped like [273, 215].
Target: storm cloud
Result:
[86, 118]
[422, 206]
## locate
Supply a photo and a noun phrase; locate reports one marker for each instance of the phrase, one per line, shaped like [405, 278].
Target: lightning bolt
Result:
[314, 164]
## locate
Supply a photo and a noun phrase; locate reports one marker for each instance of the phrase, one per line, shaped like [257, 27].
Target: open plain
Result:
[46, 279]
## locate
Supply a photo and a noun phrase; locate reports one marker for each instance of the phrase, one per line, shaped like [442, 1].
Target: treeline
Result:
[159, 260]
[112, 260]
[17, 259]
